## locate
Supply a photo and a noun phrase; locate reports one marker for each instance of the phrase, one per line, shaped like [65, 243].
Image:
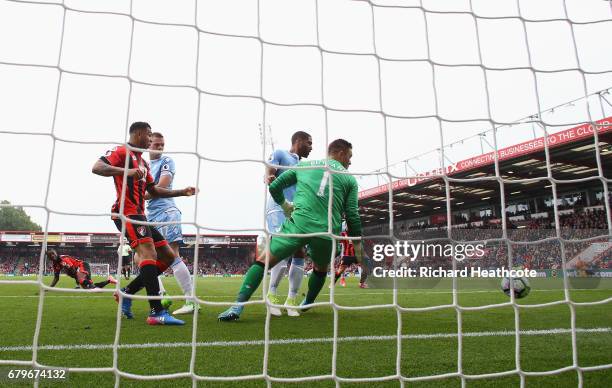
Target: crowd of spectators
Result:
[575, 228]
[8, 264]
[227, 266]
[223, 261]
[23, 261]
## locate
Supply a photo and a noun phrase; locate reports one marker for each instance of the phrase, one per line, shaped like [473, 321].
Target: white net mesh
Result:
[426, 11]
[100, 269]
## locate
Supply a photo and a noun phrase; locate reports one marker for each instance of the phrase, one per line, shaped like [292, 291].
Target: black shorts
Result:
[348, 260]
[138, 234]
[126, 261]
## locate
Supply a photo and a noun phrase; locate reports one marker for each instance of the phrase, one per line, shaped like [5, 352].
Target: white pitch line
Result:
[351, 294]
[290, 341]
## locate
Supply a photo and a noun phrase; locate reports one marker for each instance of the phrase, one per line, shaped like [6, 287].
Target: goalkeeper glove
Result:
[287, 208]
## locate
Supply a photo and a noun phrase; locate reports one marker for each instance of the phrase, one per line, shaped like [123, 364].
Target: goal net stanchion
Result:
[438, 116]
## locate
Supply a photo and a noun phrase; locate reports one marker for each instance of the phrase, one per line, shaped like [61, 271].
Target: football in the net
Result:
[520, 285]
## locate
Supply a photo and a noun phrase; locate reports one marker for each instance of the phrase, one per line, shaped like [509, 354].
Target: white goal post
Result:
[99, 269]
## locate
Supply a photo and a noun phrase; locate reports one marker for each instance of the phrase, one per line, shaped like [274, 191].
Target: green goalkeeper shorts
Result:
[320, 248]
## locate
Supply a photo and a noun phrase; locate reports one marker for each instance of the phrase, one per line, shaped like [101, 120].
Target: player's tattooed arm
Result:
[105, 169]
[161, 192]
[55, 279]
[164, 181]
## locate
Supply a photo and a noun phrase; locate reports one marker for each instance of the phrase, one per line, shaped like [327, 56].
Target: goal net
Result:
[386, 75]
[100, 269]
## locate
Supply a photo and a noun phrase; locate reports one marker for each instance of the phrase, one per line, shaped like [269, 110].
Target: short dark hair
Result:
[299, 135]
[157, 134]
[338, 145]
[138, 125]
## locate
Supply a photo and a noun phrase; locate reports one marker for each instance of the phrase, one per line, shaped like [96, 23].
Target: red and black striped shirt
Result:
[135, 190]
[348, 249]
[69, 264]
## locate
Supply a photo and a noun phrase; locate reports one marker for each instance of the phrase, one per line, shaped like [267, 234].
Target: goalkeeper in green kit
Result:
[309, 214]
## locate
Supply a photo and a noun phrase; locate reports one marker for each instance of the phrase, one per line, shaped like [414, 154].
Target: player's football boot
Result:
[188, 308]
[275, 299]
[292, 302]
[304, 309]
[126, 305]
[342, 282]
[231, 314]
[111, 279]
[363, 285]
[163, 318]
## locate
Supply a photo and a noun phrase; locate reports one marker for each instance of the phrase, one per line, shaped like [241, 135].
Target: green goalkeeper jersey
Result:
[312, 197]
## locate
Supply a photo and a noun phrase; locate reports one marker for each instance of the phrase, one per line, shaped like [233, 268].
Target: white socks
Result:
[296, 276]
[276, 274]
[162, 290]
[182, 275]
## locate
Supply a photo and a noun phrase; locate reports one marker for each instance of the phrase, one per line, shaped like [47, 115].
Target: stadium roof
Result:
[572, 156]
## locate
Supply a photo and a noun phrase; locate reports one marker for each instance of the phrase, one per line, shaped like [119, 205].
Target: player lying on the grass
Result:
[153, 253]
[347, 258]
[301, 145]
[165, 210]
[308, 214]
[76, 269]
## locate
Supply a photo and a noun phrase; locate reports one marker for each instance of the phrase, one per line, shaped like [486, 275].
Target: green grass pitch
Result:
[83, 324]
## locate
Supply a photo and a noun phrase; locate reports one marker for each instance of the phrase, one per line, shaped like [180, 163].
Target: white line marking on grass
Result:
[290, 341]
[357, 293]
[419, 291]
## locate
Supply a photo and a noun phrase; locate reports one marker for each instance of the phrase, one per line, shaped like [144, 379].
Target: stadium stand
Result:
[420, 207]
[218, 255]
[579, 225]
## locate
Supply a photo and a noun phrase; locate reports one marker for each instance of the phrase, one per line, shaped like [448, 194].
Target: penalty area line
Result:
[290, 341]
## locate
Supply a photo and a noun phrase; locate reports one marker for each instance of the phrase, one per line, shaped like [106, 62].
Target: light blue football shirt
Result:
[282, 158]
[160, 167]
[285, 158]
